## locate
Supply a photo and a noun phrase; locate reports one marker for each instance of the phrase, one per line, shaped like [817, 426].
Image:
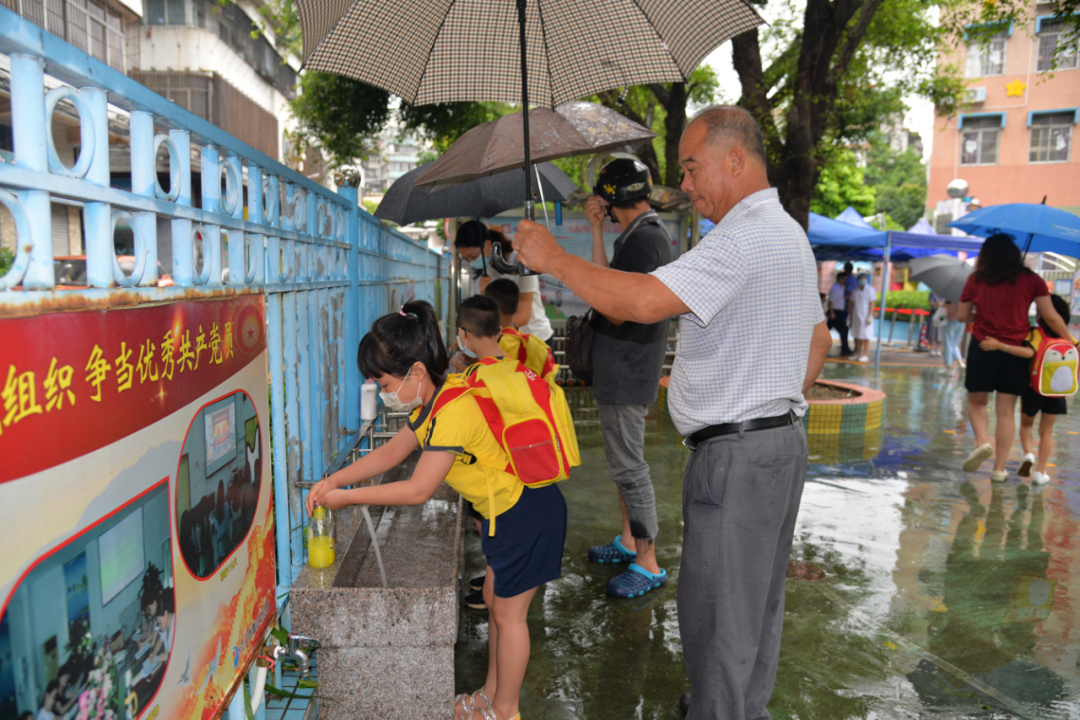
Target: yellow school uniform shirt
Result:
[478, 472]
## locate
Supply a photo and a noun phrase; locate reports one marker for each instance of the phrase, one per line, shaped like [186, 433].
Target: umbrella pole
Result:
[530, 213]
[884, 294]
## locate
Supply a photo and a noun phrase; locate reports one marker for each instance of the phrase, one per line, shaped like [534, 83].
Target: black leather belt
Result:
[707, 433]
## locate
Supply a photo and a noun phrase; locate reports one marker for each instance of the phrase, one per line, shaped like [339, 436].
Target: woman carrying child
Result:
[404, 354]
[1031, 402]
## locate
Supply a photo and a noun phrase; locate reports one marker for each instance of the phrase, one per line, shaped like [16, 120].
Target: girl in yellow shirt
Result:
[404, 354]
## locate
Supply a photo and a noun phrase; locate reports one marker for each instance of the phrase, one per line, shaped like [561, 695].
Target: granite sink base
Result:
[387, 652]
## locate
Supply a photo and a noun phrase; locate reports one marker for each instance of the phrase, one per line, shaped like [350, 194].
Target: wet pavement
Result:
[947, 596]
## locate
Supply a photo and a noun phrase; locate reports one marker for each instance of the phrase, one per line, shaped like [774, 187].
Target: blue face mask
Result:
[862, 283]
[465, 348]
[479, 263]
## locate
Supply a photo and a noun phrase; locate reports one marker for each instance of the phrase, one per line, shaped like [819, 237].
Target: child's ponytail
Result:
[402, 338]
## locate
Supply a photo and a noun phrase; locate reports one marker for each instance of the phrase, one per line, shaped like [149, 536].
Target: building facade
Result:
[205, 56]
[396, 154]
[1014, 140]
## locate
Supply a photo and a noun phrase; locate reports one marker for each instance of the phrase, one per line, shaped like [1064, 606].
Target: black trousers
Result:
[839, 323]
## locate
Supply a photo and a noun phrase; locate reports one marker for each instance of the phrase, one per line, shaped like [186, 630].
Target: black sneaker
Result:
[477, 583]
[475, 601]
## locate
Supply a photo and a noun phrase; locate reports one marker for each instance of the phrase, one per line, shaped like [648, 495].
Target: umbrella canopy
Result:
[431, 51]
[943, 274]
[1037, 228]
[573, 128]
[403, 204]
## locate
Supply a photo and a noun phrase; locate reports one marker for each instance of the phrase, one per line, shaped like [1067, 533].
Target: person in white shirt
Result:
[473, 242]
[862, 316]
[753, 339]
[46, 711]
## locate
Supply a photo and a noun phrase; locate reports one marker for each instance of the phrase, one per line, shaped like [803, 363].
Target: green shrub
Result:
[6, 259]
[906, 300]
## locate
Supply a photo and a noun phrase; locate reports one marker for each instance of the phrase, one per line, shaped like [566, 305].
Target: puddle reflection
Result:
[947, 595]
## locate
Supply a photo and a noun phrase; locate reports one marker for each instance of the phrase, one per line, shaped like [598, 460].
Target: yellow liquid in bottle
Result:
[320, 552]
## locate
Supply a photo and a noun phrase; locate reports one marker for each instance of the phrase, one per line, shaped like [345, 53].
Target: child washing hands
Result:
[405, 355]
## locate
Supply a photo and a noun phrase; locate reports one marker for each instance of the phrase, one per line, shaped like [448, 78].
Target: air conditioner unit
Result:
[975, 95]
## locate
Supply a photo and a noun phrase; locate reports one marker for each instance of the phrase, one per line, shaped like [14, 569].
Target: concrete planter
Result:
[857, 414]
[845, 430]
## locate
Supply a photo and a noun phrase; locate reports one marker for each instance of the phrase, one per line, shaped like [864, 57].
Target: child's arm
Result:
[376, 462]
[430, 471]
[991, 344]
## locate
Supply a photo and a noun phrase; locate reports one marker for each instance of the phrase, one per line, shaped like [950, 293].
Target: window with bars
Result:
[979, 140]
[1052, 34]
[1051, 136]
[87, 25]
[987, 57]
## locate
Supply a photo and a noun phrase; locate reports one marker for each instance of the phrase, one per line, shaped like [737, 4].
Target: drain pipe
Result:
[257, 678]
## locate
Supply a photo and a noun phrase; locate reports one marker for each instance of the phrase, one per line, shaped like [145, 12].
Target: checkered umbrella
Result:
[431, 51]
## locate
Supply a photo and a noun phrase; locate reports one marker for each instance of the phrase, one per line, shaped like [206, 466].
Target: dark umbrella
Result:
[487, 196]
[943, 274]
[432, 51]
[573, 128]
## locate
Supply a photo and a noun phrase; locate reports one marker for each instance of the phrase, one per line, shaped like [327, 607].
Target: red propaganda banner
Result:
[138, 577]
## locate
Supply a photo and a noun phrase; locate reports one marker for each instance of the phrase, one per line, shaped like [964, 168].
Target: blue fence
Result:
[327, 268]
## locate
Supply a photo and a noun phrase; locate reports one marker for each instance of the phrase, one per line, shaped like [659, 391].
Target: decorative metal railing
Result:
[327, 268]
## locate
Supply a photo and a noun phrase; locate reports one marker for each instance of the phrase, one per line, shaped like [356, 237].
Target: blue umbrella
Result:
[1035, 228]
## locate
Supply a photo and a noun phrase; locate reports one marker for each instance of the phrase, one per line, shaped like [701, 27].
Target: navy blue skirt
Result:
[526, 550]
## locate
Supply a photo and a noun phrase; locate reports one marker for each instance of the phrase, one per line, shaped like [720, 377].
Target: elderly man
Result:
[753, 339]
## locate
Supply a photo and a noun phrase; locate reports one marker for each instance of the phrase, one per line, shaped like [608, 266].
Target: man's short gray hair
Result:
[732, 124]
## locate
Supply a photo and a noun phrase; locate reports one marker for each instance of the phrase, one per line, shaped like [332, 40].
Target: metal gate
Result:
[327, 269]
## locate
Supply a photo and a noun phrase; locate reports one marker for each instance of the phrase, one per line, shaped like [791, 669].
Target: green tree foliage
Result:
[898, 179]
[824, 76]
[7, 259]
[663, 108]
[841, 184]
[340, 114]
[343, 116]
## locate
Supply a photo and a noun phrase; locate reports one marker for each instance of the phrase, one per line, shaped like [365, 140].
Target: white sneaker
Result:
[864, 358]
[1025, 465]
[962, 363]
[977, 457]
[999, 475]
[1038, 478]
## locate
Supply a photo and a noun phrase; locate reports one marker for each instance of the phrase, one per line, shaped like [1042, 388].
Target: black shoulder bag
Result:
[579, 340]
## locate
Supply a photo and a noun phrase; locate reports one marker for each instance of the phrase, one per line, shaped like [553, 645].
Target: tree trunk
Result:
[832, 32]
[674, 124]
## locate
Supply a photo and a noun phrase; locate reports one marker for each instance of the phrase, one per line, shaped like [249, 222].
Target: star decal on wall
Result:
[1015, 88]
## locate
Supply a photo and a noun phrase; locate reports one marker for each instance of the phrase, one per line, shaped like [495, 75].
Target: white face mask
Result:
[465, 348]
[394, 403]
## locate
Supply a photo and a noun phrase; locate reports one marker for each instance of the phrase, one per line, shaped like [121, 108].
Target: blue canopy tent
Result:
[851, 237]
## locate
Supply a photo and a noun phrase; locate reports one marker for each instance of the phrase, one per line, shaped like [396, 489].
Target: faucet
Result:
[300, 647]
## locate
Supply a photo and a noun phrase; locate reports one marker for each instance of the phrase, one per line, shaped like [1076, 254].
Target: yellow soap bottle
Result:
[320, 535]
